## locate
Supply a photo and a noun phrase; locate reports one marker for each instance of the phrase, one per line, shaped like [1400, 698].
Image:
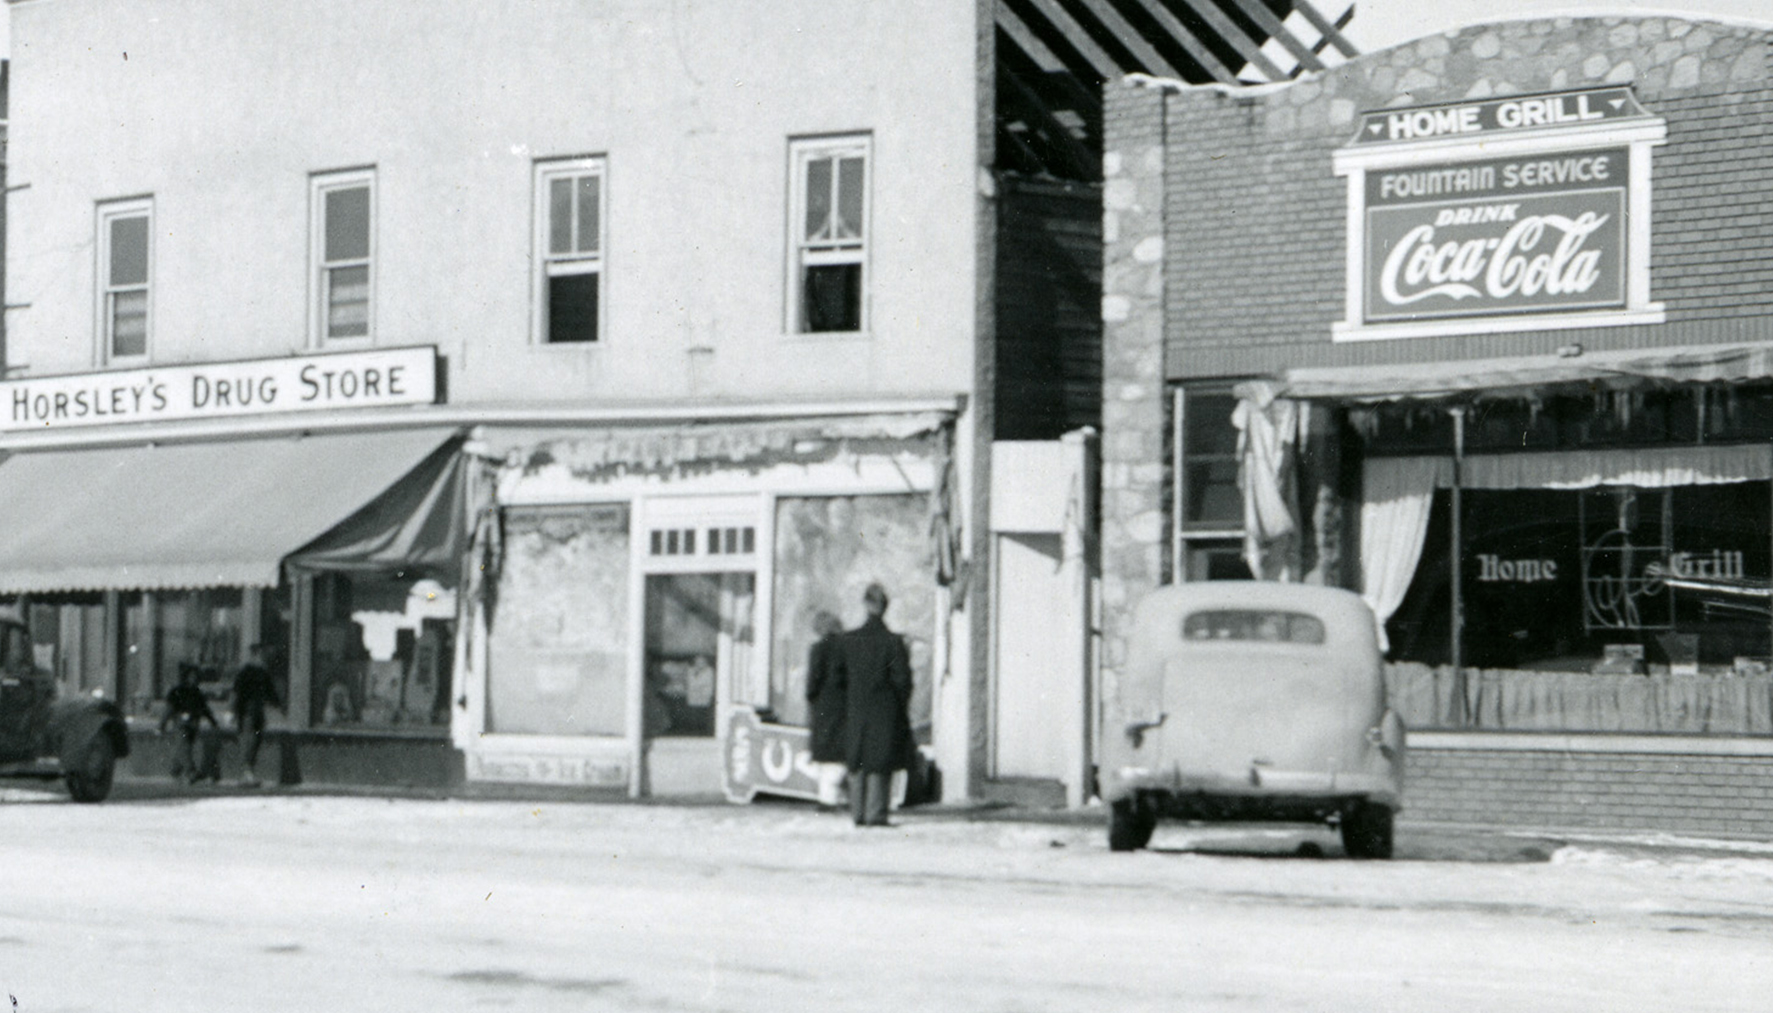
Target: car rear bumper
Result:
[1259, 788]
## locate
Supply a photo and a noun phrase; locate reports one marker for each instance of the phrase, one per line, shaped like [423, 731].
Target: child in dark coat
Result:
[186, 705]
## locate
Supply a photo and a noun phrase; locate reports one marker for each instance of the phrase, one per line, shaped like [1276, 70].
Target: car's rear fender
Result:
[76, 721]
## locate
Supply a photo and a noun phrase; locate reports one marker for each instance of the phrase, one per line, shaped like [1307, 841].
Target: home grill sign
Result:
[1530, 234]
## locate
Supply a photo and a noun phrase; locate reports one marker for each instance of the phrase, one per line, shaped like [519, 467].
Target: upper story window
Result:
[124, 233]
[828, 234]
[569, 250]
[344, 255]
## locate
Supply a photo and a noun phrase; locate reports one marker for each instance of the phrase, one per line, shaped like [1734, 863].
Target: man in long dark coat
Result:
[876, 670]
[826, 706]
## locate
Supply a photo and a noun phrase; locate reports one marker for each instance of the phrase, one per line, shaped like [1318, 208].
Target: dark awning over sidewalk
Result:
[218, 514]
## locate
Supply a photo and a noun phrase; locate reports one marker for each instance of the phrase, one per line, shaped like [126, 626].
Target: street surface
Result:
[306, 902]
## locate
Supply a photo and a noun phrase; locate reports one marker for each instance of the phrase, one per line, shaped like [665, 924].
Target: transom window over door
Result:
[124, 231]
[344, 251]
[829, 235]
[569, 250]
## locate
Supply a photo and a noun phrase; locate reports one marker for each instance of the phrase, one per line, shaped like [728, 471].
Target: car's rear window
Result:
[1258, 625]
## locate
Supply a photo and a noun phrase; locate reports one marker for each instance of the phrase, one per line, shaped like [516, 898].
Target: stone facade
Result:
[1133, 415]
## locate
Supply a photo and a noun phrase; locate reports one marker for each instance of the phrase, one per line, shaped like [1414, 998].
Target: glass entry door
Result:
[699, 639]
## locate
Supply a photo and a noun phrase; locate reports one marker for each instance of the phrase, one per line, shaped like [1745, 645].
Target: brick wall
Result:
[1257, 218]
[1688, 794]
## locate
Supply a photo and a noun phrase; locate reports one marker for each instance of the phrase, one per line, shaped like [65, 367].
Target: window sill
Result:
[811, 337]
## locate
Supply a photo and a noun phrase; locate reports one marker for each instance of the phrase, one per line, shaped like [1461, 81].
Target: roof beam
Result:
[1079, 39]
[1235, 37]
[1331, 32]
[1259, 13]
[1129, 37]
[1192, 45]
[1027, 41]
[1084, 163]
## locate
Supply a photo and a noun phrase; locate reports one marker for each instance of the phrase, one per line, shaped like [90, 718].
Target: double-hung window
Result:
[828, 234]
[125, 231]
[569, 250]
[344, 255]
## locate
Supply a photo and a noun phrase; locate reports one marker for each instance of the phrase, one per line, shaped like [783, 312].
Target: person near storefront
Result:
[826, 707]
[253, 690]
[187, 707]
[876, 676]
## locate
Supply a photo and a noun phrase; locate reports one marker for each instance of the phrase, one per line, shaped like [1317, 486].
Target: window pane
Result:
[588, 207]
[849, 198]
[560, 215]
[1211, 495]
[129, 250]
[347, 223]
[347, 302]
[129, 324]
[833, 298]
[572, 308]
[818, 198]
[1206, 423]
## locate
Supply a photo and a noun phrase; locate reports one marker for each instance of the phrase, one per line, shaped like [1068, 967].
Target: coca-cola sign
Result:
[1543, 233]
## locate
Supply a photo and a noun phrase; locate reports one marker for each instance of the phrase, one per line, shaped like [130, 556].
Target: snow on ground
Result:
[303, 901]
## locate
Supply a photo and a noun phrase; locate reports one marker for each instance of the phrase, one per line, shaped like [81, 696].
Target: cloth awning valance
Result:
[216, 514]
[1735, 363]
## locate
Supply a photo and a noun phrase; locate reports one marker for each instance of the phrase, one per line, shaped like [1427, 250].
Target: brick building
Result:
[1495, 304]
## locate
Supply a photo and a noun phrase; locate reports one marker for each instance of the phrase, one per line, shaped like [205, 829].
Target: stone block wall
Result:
[1133, 416]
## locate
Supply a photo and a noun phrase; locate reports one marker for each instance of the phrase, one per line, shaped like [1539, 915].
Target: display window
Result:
[382, 651]
[1612, 580]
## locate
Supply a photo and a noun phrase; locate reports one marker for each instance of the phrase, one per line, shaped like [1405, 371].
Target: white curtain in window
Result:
[1267, 432]
[1394, 524]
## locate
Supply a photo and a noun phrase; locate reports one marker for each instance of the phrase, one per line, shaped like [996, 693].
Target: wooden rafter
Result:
[1078, 39]
[1193, 46]
[1028, 42]
[1333, 32]
[1083, 160]
[1228, 30]
[1129, 37]
[1258, 12]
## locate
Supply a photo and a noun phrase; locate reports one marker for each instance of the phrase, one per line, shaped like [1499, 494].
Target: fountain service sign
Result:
[1529, 212]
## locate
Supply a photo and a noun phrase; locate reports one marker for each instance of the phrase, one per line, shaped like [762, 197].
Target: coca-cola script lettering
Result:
[1522, 261]
[1499, 236]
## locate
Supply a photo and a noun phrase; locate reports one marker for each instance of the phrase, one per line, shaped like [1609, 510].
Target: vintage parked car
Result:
[43, 735]
[1247, 701]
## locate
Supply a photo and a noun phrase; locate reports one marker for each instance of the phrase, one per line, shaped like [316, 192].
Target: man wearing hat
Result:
[876, 674]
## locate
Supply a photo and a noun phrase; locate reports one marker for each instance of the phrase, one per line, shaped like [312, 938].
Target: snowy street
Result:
[307, 902]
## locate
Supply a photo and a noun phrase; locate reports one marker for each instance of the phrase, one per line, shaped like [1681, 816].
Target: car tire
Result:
[1367, 831]
[89, 778]
[1129, 826]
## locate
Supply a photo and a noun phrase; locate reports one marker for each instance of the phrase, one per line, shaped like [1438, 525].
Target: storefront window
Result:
[559, 643]
[383, 650]
[827, 550]
[1615, 581]
[1210, 519]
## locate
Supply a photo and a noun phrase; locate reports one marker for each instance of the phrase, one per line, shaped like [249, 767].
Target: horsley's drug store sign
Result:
[1512, 214]
[300, 383]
